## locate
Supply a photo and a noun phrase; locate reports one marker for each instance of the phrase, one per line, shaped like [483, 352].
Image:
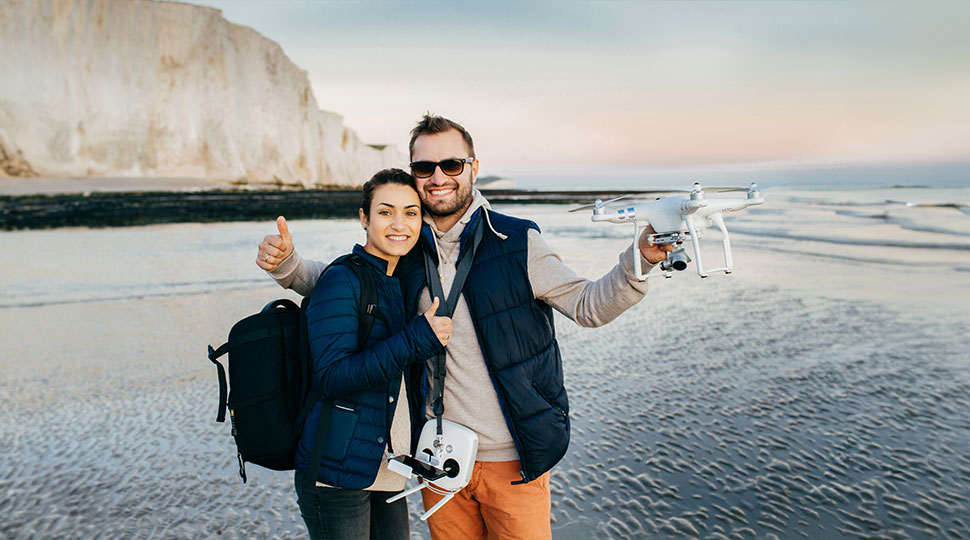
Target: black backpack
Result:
[269, 376]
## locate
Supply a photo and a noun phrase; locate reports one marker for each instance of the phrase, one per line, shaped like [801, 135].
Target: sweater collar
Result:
[460, 231]
[478, 201]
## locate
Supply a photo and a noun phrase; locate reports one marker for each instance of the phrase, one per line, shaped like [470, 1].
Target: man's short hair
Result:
[431, 124]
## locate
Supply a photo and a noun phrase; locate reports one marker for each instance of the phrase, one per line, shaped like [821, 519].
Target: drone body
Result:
[676, 219]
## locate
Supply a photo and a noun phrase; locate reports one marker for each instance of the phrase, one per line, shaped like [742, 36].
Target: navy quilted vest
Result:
[517, 338]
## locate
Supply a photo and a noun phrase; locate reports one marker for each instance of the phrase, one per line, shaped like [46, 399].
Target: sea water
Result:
[820, 391]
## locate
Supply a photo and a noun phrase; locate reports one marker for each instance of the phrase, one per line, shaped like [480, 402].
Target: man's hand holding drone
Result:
[653, 253]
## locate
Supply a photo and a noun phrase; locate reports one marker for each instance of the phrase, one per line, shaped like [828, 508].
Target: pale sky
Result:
[630, 85]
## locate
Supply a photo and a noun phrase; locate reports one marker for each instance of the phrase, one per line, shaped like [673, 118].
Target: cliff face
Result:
[146, 88]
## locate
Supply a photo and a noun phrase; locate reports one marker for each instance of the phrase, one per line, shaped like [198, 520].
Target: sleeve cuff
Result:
[286, 268]
[627, 263]
[426, 340]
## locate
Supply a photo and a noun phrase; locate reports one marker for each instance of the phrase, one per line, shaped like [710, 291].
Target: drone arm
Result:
[691, 206]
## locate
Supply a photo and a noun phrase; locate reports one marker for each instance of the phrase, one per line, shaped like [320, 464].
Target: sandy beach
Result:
[821, 391]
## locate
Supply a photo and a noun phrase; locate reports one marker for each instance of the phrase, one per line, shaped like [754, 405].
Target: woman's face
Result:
[394, 221]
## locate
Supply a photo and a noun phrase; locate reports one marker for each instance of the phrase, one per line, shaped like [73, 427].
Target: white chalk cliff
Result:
[162, 89]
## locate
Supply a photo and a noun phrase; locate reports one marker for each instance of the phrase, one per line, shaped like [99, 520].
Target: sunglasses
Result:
[451, 167]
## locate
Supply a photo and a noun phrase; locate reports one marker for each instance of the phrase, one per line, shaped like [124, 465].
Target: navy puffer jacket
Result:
[359, 381]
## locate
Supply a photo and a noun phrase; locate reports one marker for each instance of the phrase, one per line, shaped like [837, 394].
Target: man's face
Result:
[444, 195]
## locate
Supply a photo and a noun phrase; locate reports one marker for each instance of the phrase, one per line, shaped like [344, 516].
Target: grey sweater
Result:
[470, 397]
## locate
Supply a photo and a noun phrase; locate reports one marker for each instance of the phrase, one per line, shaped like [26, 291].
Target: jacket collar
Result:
[373, 260]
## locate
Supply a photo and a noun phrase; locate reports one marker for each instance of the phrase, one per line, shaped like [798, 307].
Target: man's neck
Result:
[445, 223]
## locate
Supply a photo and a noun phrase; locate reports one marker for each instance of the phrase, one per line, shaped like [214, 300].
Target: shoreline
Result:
[217, 203]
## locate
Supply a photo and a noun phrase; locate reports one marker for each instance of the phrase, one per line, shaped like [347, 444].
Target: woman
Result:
[370, 416]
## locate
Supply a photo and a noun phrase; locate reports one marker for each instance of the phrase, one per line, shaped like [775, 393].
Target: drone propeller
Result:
[752, 187]
[599, 203]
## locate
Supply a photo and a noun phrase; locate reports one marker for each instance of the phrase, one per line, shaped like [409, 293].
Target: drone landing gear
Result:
[718, 220]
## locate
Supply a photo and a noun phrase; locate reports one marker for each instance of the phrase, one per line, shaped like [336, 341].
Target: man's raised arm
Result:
[586, 302]
[281, 261]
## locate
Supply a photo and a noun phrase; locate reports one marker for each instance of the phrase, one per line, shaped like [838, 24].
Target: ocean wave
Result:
[904, 223]
[812, 201]
[850, 258]
[913, 226]
[852, 241]
[862, 214]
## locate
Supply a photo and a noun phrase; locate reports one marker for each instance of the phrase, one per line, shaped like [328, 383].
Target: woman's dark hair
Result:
[387, 176]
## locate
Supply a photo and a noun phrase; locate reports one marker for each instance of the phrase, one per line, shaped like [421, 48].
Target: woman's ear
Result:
[363, 218]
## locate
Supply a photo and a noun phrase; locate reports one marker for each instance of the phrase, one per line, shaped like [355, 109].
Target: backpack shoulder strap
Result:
[368, 311]
[214, 355]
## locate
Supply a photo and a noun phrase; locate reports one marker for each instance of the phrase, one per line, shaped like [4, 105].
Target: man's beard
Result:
[463, 198]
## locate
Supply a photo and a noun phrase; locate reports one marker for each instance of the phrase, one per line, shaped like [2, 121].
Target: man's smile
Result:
[441, 191]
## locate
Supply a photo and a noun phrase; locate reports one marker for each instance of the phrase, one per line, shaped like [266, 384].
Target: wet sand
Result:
[819, 392]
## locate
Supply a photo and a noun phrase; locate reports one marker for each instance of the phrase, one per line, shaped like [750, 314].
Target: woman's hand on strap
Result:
[440, 325]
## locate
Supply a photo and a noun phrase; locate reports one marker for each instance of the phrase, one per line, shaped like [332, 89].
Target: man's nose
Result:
[439, 177]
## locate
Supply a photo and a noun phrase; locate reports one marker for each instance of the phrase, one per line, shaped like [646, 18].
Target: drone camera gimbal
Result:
[676, 260]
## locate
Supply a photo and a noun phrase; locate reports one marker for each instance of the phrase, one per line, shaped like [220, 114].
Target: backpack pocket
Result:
[263, 430]
[343, 422]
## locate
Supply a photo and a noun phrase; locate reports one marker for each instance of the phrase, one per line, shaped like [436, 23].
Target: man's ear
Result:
[474, 171]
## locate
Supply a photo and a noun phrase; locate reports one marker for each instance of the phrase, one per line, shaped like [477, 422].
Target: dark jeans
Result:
[350, 514]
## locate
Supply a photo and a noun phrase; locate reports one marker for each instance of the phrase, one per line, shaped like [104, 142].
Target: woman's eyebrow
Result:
[392, 206]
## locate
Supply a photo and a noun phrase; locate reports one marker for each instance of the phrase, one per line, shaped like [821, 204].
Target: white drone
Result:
[676, 218]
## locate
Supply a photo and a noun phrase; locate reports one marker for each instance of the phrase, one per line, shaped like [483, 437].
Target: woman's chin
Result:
[398, 250]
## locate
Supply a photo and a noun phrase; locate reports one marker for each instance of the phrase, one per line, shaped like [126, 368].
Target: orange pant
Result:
[491, 508]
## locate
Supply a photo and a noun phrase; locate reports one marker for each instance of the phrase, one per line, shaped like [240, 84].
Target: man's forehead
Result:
[447, 144]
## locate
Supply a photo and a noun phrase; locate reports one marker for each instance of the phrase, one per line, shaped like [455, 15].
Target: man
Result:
[504, 371]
